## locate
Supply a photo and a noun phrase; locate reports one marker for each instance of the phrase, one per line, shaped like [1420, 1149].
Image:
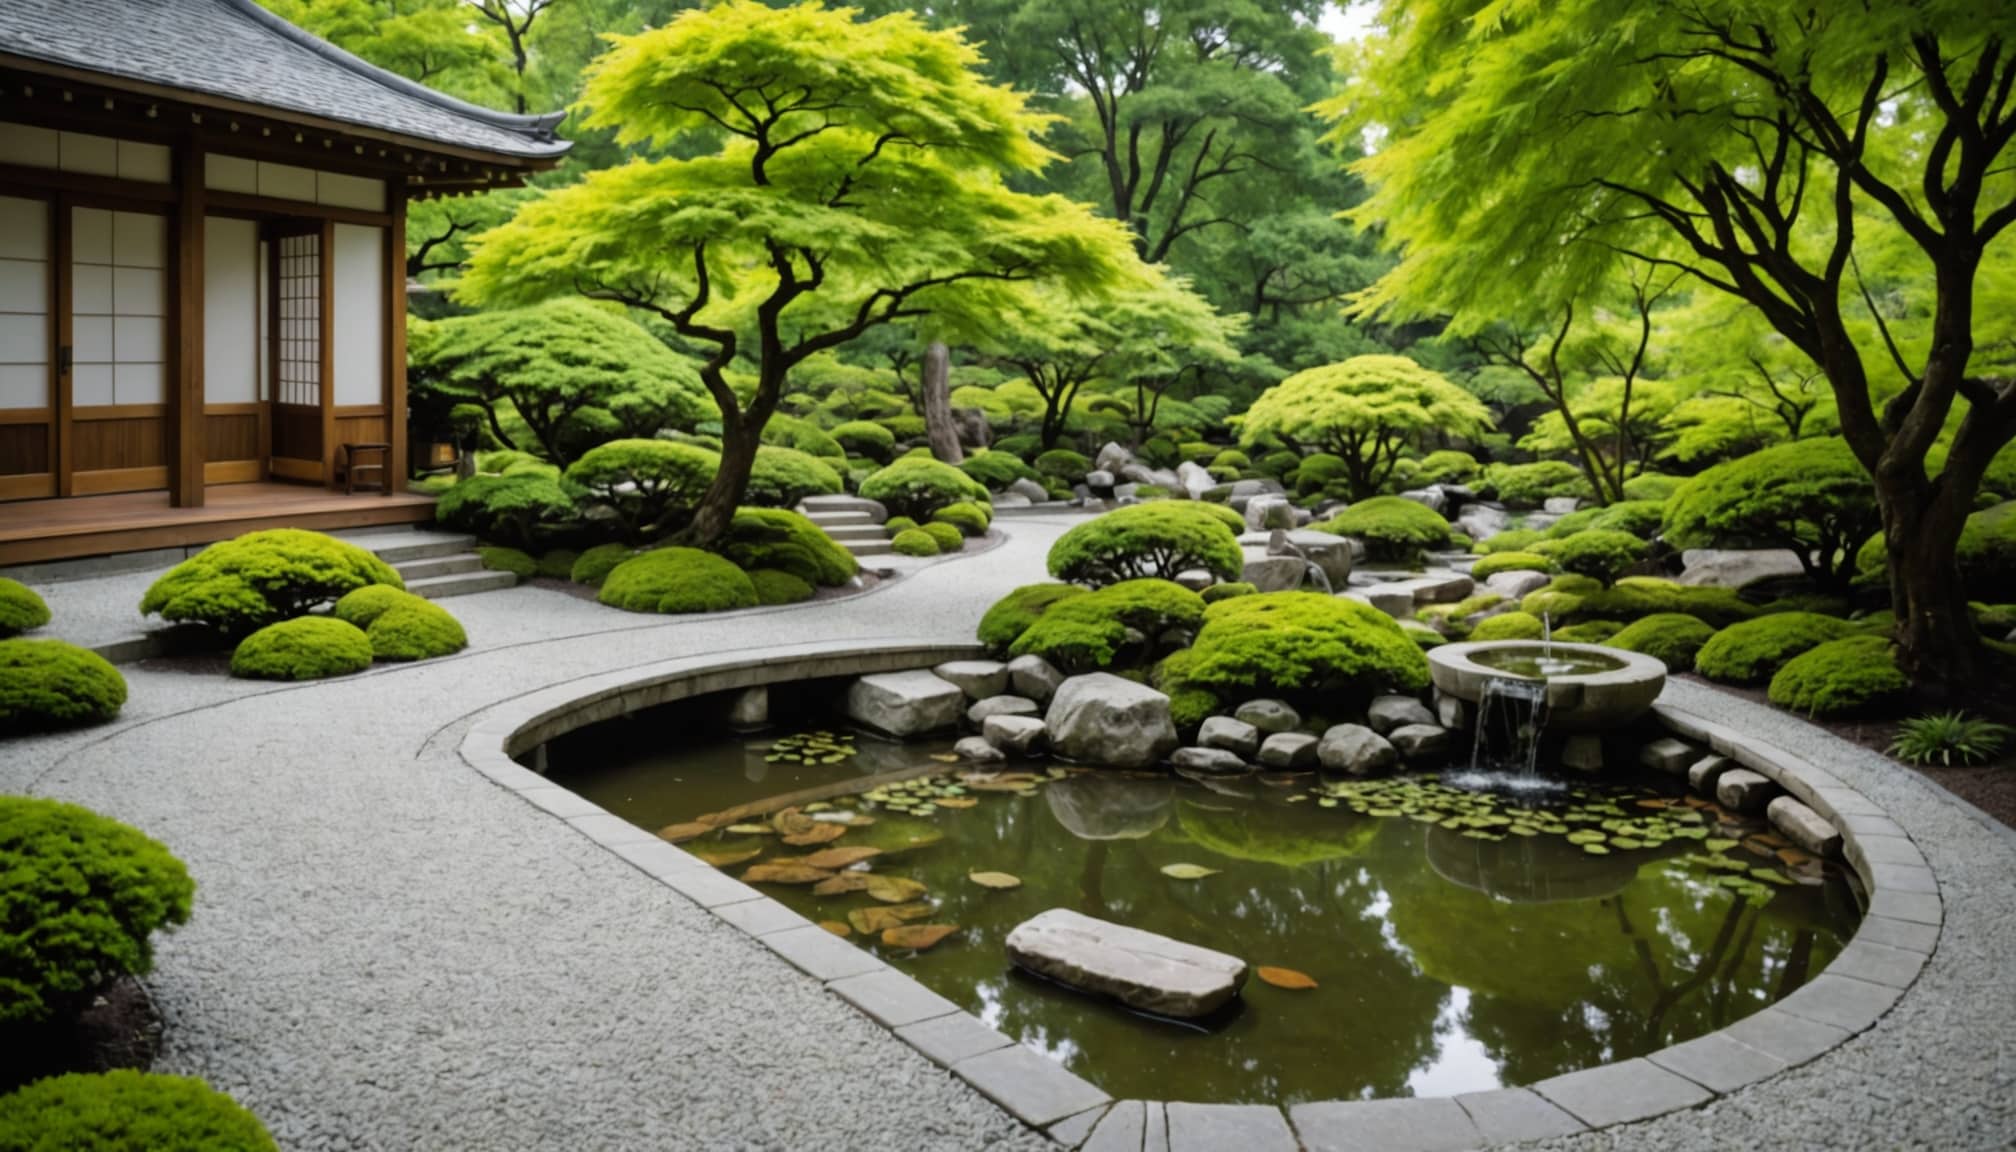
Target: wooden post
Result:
[59, 300]
[325, 320]
[185, 399]
[397, 466]
[938, 425]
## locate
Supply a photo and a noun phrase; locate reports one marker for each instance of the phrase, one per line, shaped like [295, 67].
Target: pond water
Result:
[1458, 940]
[1533, 660]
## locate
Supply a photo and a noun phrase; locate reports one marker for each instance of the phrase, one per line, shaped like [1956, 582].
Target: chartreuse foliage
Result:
[127, 1111]
[48, 684]
[1510, 540]
[83, 899]
[1144, 540]
[306, 648]
[1082, 633]
[1752, 651]
[1365, 411]
[1640, 518]
[785, 540]
[781, 477]
[1392, 527]
[240, 585]
[516, 561]
[1573, 598]
[1531, 485]
[21, 608]
[594, 564]
[1839, 677]
[997, 469]
[514, 510]
[948, 537]
[1598, 553]
[917, 486]
[914, 542]
[400, 625]
[970, 517]
[677, 580]
[1673, 638]
[1508, 626]
[1811, 496]
[774, 586]
[1012, 615]
[865, 438]
[1299, 642]
[651, 485]
[1493, 563]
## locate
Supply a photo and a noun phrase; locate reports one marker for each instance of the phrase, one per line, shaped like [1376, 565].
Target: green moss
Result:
[1422, 635]
[1086, 632]
[1226, 590]
[914, 542]
[1813, 495]
[1009, 617]
[1233, 459]
[1669, 637]
[1531, 485]
[1640, 518]
[969, 517]
[1190, 707]
[361, 607]
[418, 629]
[49, 684]
[1392, 527]
[241, 585]
[83, 898]
[917, 486]
[1598, 553]
[1279, 464]
[1064, 464]
[1150, 540]
[1993, 620]
[512, 560]
[1448, 466]
[518, 510]
[1510, 540]
[672, 581]
[557, 564]
[997, 469]
[594, 565]
[1652, 486]
[801, 435]
[127, 1111]
[948, 536]
[306, 648]
[781, 477]
[1752, 651]
[1589, 631]
[1468, 606]
[21, 608]
[1301, 642]
[1571, 598]
[788, 541]
[1508, 626]
[1319, 471]
[1848, 675]
[1495, 562]
[778, 587]
[866, 438]
[651, 485]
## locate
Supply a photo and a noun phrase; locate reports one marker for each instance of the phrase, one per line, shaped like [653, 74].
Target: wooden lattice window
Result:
[299, 282]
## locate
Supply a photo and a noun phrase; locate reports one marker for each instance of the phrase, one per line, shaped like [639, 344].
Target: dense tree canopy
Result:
[1365, 411]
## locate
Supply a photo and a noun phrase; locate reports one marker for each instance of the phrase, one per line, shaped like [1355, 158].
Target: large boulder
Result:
[1288, 750]
[1430, 498]
[1034, 677]
[1269, 715]
[1333, 554]
[1419, 742]
[1002, 706]
[1234, 736]
[1390, 712]
[905, 703]
[1195, 479]
[1516, 585]
[979, 679]
[1102, 719]
[1560, 505]
[1146, 972]
[1035, 493]
[971, 424]
[1482, 521]
[1266, 512]
[1273, 573]
[1733, 567]
[1113, 458]
[1355, 750]
[1099, 480]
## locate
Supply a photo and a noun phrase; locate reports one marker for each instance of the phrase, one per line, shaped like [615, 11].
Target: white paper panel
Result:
[139, 292]
[92, 155]
[24, 286]
[24, 386]
[151, 163]
[138, 339]
[24, 228]
[341, 191]
[139, 384]
[230, 311]
[90, 384]
[139, 240]
[359, 297]
[28, 146]
[91, 289]
[91, 339]
[286, 181]
[265, 320]
[91, 236]
[24, 339]
[231, 174]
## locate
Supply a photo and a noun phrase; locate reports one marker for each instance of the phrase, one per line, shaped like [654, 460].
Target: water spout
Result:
[1511, 712]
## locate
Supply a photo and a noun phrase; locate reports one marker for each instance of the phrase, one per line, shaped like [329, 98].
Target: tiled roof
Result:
[236, 50]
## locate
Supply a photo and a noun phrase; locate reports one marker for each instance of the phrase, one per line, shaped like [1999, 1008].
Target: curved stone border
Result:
[1889, 949]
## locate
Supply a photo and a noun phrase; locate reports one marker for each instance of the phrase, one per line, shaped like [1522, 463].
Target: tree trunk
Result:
[717, 505]
[1936, 642]
[938, 425]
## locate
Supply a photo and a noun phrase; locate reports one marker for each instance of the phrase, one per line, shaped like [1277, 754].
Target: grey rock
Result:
[1002, 706]
[1272, 573]
[978, 750]
[1516, 585]
[1025, 487]
[971, 424]
[1396, 599]
[1735, 567]
[1127, 493]
[1482, 521]
[1288, 750]
[1136, 473]
[904, 703]
[1267, 512]
[1015, 735]
[1099, 479]
[1703, 773]
[1034, 677]
[1582, 752]
[1355, 750]
[1333, 554]
[1268, 715]
[1140, 969]
[1110, 805]
[1560, 505]
[1196, 579]
[750, 708]
[1442, 588]
[1215, 760]
[1668, 755]
[1390, 712]
[1804, 827]
[1102, 719]
[1011, 500]
[1538, 521]
[1451, 711]
[1194, 479]
[1430, 498]
[1113, 458]
[1234, 736]
[1744, 791]
[979, 679]
[1421, 741]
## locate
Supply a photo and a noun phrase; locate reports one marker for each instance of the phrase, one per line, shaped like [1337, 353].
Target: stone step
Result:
[399, 547]
[463, 584]
[861, 548]
[846, 532]
[432, 567]
[831, 517]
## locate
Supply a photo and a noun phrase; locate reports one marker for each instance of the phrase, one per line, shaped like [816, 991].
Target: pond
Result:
[1458, 940]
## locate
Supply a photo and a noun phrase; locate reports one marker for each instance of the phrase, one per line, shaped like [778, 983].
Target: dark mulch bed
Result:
[121, 1030]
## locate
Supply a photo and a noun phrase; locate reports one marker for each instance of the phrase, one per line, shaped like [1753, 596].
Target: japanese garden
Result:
[1272, 575]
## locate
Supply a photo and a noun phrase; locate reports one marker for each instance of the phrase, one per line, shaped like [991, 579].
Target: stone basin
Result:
[1578, 702]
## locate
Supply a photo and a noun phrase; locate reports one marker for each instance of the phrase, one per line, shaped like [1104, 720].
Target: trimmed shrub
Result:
[1448, 466]
[970, 518]
[651, 485]
[948, 536]
[1087, 632]
[51, 684]
[241, 585]
[1599, 553]
[1319, 471]
[1572, 597]
[1495, 562]
[517, 510]
[866, 438]
[306, 648]
[997, 469]
[904, 427]
[1007, 618]
[1640, 518]
[1669, 637]
[775, 586]
[512, 560]
[1301, 642]
[781, 477]
[896, 524]
[1278, 464]
[1190, 707]
[1752, 651]
[785, 540]
[1149, 540]
[1225, 591]
[914, 542]
[1064, 464]
[127, 1111]
[671, 581]
[594, 565]
[917, 486]
[1508, 626]
[802, 435]
[1392, 527]
[418, 629]
[1231, 458]
[1810, 496]
[1652, 486]
[1840, 676]
[1423, 636]
[361, 607]
[1510, 540]
[1589, 631]
[1531, 485]
[21, 608]
[83, 898]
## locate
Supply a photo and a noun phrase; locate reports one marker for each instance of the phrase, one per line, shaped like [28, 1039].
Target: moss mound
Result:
[1589, 631]
[672, 581]
[241, 585]
[516, 561]
[917, 486]
[1672, 638]
[1010, 616]
[1598, 553]
[594, 565]
[1572, 598]
[516, 509]
[21, 608]
[785, 540]
[1392, 527]
[1510, 540]
[948, 536]
[1508, 626]
[1143, 541]
[1299, 642]
[1752, 651]
[865, 438]
[307, 648]
[1227, 590]
[1496, 562]
[49, 684]
[997, 469]
[1087, 632]
[914, 542]
[781, 477]
[774, 586]
[367, 604]
[417, 629]
[1531, 485]
[127, 1111]
[1839, 677]
[969, 517]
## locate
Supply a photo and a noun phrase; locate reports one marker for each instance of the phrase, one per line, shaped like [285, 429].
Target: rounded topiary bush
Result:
[1149, 540]
[127, 1111]
[774, 586]
[418, 629]
[651, 485]
[515, 509]
[997, 469]
[241, 585]
[1448, 466]
[516, 561]
[917, 486]
[367, 604]
[1510, 540]
[970, 518]
[1669, 637]
[1840, 676]
[1531, 485]
[1064, 464]
[781, 477]
[82, 900]
[594, 565]
[1227, 590]
[1319, 471]
[896, 524]
[672, 581]
[1508, 626]
[307, 648]
[1012, 615]
[801, 435]
[557, 564]
[1599, 553]
[948, 536]
[1752, 651]
[1589, 631]
[1493, 563]
[785, 540]
[1392, 527]
[50, 684]
[1655, 486]
[21, 608]
[1090, 631]
[1300, 642]
[914, 542]
[866, 438]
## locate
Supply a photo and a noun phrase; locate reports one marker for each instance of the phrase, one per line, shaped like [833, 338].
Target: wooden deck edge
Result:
[112, 541]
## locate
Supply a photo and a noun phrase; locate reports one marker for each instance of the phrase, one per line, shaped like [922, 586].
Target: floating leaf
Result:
[945, 757]
[838, 858]
[1287, 978]
[894, 889]
[1718, 845]
[1769, 876]
[842, 884]
[869, 921]
[726, 856]
[790, 822]
[785, 872]
[679, 833]
[917, 936]
[836, 928]
[1794, 858]
[816, 834]
[1187, 871]
[1595, 849]
[994, 879]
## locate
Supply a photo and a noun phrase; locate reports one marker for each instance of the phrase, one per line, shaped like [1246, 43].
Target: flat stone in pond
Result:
[1034, 677]
[1234, 736]
[1804, 827]
[1390, 712]
[979, 679]
[1742, 790]
[1140, 969]
[1703, 773]
[1216, 760]
[1667, 755]
[1019, 735]
[904, 703]
[978, 749]
[1002, 706]
[1288, 750]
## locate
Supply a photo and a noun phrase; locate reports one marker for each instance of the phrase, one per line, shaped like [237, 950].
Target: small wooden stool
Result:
[351, 467]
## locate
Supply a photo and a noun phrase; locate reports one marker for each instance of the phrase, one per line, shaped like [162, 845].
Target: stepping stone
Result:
[1234, 736]
[1288, 750]
[1804, 827]
[1140, 969]
[1744, 791]
[1702, 774]
[905, 703]
[979, 679]
[1002, 706]
[1667, 755]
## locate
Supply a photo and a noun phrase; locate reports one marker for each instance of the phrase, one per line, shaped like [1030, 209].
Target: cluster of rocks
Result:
[1740, 789]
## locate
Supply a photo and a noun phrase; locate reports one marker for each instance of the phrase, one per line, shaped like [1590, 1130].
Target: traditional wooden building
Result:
[202, 270]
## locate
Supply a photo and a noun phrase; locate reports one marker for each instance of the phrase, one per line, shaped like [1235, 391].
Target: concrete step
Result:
[846, 532]
[827, 519]
[428, 569]
[839, 502]
[462, 584]
[399, 547]
[861, 548]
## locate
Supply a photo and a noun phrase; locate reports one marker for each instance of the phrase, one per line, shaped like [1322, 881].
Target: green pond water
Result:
[1534, 661]
[1459, 941]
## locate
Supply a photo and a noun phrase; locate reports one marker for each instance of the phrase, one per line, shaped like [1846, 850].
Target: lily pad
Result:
[998, 880]
[894, 889]
[838, 858]
[1287, 978]
[1187, 871]
[785, 872]
[919, 937]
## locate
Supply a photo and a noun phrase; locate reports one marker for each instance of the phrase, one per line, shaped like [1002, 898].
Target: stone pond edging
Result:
[1871, 974]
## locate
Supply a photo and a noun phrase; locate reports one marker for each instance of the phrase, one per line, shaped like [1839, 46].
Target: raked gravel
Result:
[389, 952]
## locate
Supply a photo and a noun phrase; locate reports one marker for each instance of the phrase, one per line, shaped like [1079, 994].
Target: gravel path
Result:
[390, 952]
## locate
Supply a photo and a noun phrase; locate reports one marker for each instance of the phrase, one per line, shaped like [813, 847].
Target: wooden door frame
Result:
[272, 231]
